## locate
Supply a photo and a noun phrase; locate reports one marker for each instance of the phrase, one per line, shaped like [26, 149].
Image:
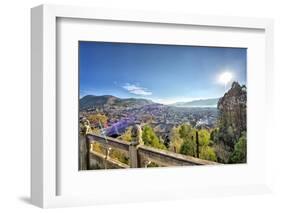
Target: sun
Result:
[225, 78]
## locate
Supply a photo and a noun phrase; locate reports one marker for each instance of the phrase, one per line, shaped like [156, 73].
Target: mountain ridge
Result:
[90, 101]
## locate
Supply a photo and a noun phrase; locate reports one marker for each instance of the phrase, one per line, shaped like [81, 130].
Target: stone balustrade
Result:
[139, 155]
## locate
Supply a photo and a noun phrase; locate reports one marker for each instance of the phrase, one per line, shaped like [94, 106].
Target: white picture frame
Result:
[45, 178]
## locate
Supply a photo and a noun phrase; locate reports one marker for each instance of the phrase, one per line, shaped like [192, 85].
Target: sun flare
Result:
[225, 78]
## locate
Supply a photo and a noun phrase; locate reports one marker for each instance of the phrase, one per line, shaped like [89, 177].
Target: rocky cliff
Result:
[232, 114]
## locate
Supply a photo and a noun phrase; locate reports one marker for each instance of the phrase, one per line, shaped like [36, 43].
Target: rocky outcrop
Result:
[232, 118]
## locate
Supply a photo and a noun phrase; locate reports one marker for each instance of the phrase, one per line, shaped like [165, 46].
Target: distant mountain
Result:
[90, 101]
[211, 102]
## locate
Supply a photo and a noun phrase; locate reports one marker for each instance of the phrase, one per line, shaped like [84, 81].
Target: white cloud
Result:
[137, 90]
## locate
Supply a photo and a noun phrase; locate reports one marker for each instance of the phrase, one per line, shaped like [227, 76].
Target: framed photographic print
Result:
[199, 111]
[148, 105]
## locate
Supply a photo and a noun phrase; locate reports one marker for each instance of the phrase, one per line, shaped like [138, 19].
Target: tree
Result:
[187, 133]
[239, 154]
[223, 152]
[97, 148]
[150, 138]
[188, 148]
[207, 153]
[214, 135]
[176, 140]
[98, 120]
[127, 135]
[204, 137]
[161, 140]
[119, 155]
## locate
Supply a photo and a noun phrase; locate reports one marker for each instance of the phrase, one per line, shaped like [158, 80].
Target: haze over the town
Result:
[162, 73]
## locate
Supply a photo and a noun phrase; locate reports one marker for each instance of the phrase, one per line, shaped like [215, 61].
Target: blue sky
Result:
[162, 73]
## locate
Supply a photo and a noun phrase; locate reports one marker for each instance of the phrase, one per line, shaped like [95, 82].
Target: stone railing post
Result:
[84, 146]
[82, 152]
[133, 148]
[88, 153]
[107, 153]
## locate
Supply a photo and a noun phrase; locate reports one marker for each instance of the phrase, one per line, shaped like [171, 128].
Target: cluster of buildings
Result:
[161, 118]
